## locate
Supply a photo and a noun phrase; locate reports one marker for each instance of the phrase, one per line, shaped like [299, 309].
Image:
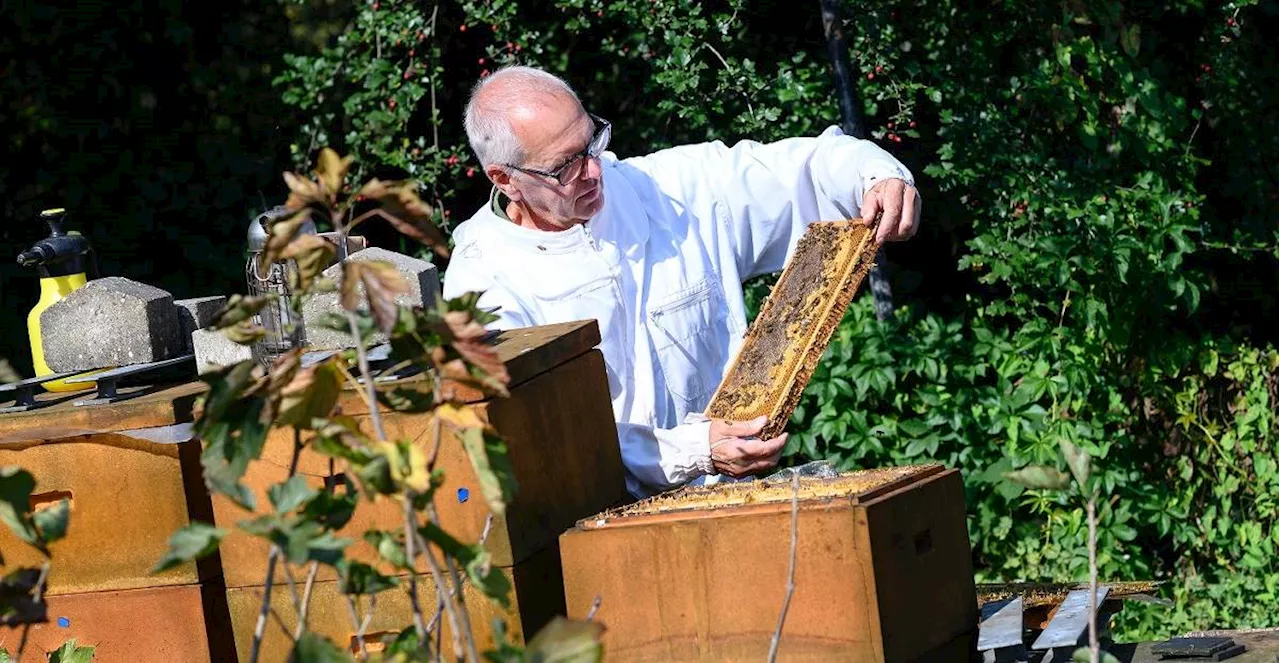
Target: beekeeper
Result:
[656, 249]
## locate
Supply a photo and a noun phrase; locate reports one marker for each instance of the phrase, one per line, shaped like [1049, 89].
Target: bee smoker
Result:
[284, 327]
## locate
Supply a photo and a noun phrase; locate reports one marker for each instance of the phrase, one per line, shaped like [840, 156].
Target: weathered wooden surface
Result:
[127, 497]
[183, 623]
[887, 578]
[563, 448]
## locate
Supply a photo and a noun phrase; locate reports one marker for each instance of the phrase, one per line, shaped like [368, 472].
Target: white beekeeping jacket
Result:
[661, 266]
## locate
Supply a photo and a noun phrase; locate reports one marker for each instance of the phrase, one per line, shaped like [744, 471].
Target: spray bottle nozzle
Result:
[59, 253]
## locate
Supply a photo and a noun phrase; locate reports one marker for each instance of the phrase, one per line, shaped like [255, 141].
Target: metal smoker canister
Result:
[284, 327]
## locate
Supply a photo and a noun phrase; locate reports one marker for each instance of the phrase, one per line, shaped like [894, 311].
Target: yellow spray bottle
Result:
[59, 259]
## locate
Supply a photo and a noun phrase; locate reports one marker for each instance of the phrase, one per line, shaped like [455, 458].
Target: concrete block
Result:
[424, 288]
[111, 321]
[214, 350]
[196, 313]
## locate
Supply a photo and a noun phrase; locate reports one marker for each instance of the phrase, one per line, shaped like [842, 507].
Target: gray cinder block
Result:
[196, 313]
[111, 321]
[424, 288]
[213, 350]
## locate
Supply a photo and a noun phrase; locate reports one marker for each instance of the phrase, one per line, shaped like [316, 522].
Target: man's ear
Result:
[501, 178]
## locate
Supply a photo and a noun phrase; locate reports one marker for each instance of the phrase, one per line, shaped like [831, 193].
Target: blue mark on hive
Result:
[463, 495]
[64, 622]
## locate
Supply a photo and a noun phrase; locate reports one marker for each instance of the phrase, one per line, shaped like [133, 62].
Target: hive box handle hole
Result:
[44, 500]
[372, 642]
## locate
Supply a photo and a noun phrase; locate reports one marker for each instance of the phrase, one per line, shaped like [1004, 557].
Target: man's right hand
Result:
[736, 452]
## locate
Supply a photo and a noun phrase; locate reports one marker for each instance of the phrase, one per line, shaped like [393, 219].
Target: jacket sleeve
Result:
[661, 459]
[751, 202]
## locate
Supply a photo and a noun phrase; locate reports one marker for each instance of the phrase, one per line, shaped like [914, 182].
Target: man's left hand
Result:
[899, 203]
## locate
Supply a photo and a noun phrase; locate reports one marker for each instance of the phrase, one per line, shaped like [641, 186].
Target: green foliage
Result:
[1095, 276]
[70, 652]
[195, 541]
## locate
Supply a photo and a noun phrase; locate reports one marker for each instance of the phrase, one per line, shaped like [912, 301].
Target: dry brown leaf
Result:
[382, 283]
[404, 210]
[244, 332]
[238, 309]
[302, 192]
[312, 253]
[284, 369]
[311, 394]
[331, 170]
[468, 339]
[279, 235]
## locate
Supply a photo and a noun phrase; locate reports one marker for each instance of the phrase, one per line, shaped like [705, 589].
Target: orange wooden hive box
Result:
[563, 449]
[883, 571]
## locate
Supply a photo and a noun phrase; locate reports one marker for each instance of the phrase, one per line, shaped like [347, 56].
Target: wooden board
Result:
[534, 603]
[527, 353]
[708, 584]
[786, 340]
[563, 447]
[186, 623]
[127, 497]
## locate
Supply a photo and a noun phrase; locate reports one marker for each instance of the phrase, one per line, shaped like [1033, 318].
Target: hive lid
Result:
[783, 345]
[725, 498]
[527, 353]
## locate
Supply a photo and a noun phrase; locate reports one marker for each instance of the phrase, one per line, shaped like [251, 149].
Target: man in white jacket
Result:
[656, 249]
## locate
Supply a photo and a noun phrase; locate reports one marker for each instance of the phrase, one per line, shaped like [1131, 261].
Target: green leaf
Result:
[1039, 477]
[52, 520]
[375, 476]
[331, 510]
[195, 541]
[70, 652]
[313, 648]
[16, 485]
[488, 456]
[360, 578]
[18, 603]
[389, 546]
[488, 579]
[1081, 655]
[566, 641]
[311, 394]
[291, 494]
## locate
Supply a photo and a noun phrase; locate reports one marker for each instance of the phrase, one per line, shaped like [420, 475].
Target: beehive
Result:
[883, 571]
[783, 345]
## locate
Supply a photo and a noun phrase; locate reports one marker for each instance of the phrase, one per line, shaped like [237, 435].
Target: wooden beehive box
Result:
[883, 572]
[563, 449]
[786, 340]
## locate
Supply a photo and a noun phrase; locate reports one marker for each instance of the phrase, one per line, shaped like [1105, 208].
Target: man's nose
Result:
[592, 171]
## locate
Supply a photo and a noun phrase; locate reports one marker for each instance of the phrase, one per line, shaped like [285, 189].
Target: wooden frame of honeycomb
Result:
[783, 345]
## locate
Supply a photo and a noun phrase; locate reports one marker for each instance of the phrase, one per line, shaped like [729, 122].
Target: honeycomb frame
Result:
[782, 347]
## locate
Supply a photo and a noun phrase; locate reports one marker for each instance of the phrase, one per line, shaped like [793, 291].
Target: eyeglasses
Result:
[572, 168]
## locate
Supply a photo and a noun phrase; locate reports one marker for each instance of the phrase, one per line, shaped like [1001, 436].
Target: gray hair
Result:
[488, 127]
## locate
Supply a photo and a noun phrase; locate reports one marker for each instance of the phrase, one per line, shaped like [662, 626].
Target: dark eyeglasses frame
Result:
[602, 126]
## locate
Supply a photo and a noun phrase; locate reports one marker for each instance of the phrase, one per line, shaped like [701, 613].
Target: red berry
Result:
[408, 74]
[422, 36]
[600, 13]
[510, 46]
[1231, 22]
[484, 73]
[375, 6]
[360, 199]
[890, 125]
[462, 28]
[913, 124]
[897, 139]
[517, 48]
[893, 136]
[494, 27]
[879, 69]
[1197, 79]
[411, 52]
[391, 103]
[446, 214]
[416, 151]
[471, 172]
[480, 61]
[871, 77]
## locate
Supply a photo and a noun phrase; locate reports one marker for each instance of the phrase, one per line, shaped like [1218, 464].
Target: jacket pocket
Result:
[690, 334]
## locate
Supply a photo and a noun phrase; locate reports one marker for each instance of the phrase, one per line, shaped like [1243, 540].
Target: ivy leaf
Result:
[314, 648]
[195, 541]
[404, 210]
[16, 485]
[381, 283]
[488, 456]
[361, 579]
[312, 394]
[566, 641]
[291, 494]
[70, 652]
[331, 171]
[313, 254]
[52, 521]
[239, 308]
[1039, 477]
